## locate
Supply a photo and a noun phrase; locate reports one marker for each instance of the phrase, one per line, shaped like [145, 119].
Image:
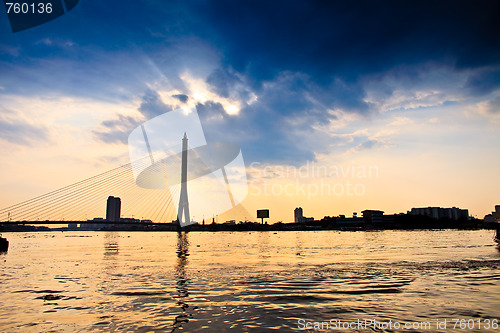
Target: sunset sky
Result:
[396, 101]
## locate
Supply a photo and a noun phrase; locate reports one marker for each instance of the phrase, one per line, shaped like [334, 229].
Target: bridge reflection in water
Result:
[182, 280]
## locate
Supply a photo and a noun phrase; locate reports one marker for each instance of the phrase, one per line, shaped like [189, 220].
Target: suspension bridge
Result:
[84, 200]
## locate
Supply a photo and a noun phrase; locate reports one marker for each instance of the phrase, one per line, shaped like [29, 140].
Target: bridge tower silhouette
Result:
[183, 199]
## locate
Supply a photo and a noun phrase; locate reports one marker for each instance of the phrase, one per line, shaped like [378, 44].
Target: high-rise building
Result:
[113, 209]
[299, 215]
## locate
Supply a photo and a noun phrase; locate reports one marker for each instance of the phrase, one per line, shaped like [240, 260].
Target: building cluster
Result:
[437, 213]
[426, 217]
[375, 216]
[494, 216]
[453, 216]
[369, 216]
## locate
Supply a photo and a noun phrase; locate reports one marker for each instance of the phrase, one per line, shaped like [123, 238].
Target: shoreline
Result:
[242, 227]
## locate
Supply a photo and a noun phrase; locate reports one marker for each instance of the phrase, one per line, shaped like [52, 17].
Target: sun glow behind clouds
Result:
[200, 93]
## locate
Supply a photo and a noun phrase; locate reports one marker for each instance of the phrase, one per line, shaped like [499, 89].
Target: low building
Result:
[129, 220]
[373, 216]
[494, 216]
[72, 226]
[343, 221]
[98, 223]
[438, 213]
[490, 218]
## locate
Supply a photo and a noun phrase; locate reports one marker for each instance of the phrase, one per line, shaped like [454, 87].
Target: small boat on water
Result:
[4, 244]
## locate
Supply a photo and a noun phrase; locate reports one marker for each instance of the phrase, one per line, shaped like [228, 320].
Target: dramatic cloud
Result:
[117, 130]
[230, 84]
[264, 74]
[181, 97]
[483, 82]
[351, 39]
[152, 105]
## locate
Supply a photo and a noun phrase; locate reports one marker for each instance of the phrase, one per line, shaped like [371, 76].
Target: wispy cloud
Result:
[116, 130]
[20, 131]
[23, 133]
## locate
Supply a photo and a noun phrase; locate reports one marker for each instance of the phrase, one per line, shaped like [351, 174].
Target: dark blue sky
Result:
[301, 59]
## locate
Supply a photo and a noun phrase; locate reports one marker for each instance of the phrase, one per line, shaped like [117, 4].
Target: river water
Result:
[250, 281]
